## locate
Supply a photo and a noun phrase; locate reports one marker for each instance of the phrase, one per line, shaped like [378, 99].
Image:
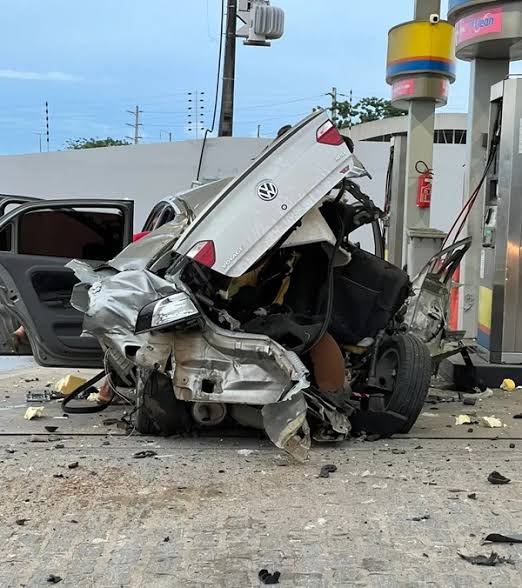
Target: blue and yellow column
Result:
[421, 62]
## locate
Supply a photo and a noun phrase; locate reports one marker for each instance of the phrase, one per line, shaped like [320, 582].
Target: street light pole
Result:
[226, 119]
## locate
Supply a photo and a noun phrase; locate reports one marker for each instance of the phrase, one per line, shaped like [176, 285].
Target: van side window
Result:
[6, 235]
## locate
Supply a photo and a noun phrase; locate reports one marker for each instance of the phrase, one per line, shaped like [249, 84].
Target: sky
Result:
[93, 61]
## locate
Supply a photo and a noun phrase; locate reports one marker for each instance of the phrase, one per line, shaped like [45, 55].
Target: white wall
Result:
[147, 173]
[143, 173]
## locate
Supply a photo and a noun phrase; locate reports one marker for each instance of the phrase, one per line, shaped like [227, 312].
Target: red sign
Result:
[444, 88]
[403, 88]
[479, 24]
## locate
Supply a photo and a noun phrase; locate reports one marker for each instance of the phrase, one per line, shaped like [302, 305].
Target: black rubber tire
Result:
[412, 381]
[158, 411]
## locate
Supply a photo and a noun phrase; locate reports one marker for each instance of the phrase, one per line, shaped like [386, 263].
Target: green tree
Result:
[93, 143]
[366, 110]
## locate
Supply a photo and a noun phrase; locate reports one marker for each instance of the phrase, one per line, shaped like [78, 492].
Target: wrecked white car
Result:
[258, 308]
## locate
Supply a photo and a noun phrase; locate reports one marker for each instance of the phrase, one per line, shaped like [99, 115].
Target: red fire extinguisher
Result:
[424, 185]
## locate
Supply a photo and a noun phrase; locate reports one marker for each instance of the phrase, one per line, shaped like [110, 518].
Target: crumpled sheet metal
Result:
[243, 368]
[112, 307]
[286, 425]
[138, 255]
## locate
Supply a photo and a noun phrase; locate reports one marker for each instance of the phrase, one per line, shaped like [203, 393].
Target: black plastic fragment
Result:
[51, 428]
[498, 538]
[21, 522]
[146, 453]
[73, 465]
[52, 579]
[498, 479]
[487, 560]
[267, 578]
[327, 469]
[472, 496]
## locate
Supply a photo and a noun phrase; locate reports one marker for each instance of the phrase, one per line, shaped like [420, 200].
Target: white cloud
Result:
[48, 76]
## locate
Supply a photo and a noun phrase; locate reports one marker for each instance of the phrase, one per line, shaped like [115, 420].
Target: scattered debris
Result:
[146, 453]
[9, 450]
[28, 380]
[470, 430]
[166, 540]
[73, 465]
[58, 476]
[508, 385]
[486, 560]
[33, 412]
[327, 469]
[59, 446]
[37, 439]
[69, 384]
[52, 579]
[39, 396]
[469, 401]
[109, 422]
[245, 452]
[472, 496]
[425, 517]
[51, 428]
[21, 522]
[517, 416]
[462, 419]
[267, 578]
[491, 422]
[497, 538]
[497, 478]
[398, 451]
[512, 446]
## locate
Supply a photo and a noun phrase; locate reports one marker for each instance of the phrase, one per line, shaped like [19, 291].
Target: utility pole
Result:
[136, 124]
[258, 131]
[168, 133]
[226, 119]
[47, 124]
[333, 108]
[39, 139]
[351, 111]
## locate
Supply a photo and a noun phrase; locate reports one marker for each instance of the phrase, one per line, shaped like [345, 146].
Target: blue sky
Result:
[94, 60]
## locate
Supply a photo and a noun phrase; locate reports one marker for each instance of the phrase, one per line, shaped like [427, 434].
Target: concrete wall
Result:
[147, 173]
[144, 173]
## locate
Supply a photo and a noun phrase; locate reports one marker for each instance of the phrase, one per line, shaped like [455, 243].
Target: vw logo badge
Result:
[267, 190]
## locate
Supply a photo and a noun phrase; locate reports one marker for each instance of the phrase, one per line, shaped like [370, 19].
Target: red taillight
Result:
[328, 134]
[204, 253]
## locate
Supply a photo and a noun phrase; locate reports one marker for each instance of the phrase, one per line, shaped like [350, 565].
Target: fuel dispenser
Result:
[500, 296]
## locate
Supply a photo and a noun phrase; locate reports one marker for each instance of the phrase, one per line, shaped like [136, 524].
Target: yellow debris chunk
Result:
[508, 385]
[33, 412]
[462, 419]
[69, 384]
[491, 422]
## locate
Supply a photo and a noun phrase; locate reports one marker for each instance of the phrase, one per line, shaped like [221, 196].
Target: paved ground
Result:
[202, 514]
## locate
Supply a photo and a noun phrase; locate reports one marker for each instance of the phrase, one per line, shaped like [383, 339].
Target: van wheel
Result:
[404, 367]
[158, 411]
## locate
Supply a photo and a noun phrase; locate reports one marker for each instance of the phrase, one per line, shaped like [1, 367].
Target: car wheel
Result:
[158, 411]
[404, 367]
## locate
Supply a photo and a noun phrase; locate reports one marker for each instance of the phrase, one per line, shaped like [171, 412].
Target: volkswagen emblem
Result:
[267, 190]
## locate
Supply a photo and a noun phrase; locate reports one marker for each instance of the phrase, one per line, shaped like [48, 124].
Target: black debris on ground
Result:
[52, 579]
[487, 560]
[146, 453]
[517, 416]
[59, 446]
[58, 475]
[327, 469]
[21, 522]
[512, 446]
[472, 496]
[498, 538]
[166, 540]
[267, 578]
[498, 479]
[51, 428]
[73, 465]
[468, 401]
[425, 517]
[9, 450]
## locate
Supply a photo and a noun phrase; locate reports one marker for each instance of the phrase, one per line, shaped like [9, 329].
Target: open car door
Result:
[8, 203]
[37, 239]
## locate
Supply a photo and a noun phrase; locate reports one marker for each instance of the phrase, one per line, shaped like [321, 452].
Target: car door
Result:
[37, 239]
[8, 201]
